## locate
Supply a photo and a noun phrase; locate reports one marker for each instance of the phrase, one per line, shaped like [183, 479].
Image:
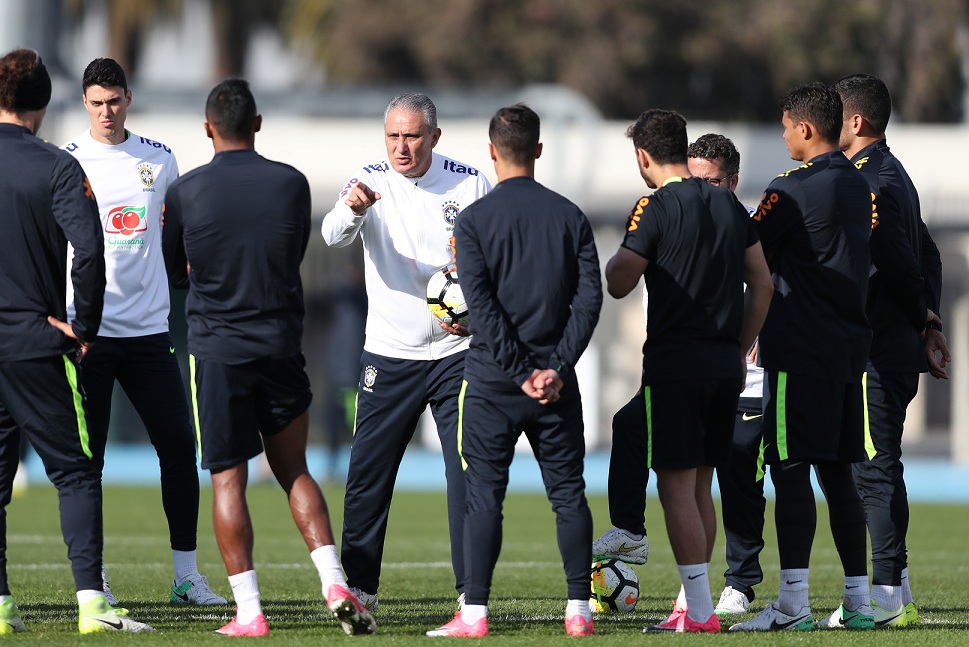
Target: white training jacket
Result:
[407, 236]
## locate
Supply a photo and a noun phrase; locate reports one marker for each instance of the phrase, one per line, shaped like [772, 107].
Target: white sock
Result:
[573, 608]
[245, 590]
[696, 587]
[857, 592]
[887, 597]
[471, 613]
[327, 564]
[794, 591]
[906, 590]
[185, 565]
[87, 595]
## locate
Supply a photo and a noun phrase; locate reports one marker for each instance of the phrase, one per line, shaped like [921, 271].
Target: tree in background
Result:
[712, 60]
[709, 59]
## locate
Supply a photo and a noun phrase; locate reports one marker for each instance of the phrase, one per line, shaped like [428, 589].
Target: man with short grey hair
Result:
[404, 209]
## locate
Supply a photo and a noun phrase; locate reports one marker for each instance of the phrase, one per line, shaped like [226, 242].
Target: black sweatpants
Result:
[42, 399]
[392, 396]
[147, 370]
[491, 422]
[628, 471]
[742, 499]
[880, 477]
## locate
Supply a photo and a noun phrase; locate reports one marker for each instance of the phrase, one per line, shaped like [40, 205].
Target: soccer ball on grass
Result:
[615, 587]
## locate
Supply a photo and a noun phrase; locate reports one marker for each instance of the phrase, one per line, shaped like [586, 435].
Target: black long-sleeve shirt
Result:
[906, 267]
[815, 223]
[45, 202]
[242, 223]
[529, 270]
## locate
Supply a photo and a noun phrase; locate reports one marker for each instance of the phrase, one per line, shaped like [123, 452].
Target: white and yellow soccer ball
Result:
[615, 587]
[445, 298]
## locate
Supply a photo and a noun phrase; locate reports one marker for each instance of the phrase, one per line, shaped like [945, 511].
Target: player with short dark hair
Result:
[904, 293]
[815, 222]
[519, 373]
[236, 230]
[129, 175]
[696, 247]
[403, 208]
[46, 202]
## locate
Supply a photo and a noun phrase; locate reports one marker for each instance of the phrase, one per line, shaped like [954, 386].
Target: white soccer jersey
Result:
[129, 181]
[406, 238]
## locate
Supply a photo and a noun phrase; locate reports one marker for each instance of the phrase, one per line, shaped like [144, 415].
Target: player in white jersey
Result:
[129, 175]
[404, 208]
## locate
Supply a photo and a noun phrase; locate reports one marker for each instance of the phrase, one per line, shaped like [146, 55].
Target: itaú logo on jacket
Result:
[126, 221]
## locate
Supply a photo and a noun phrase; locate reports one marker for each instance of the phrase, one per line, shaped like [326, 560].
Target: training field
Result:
[416, 591]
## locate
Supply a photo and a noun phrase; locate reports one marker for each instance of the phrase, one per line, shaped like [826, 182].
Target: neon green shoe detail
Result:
[911, 614]
[97, 616]
[10, 621]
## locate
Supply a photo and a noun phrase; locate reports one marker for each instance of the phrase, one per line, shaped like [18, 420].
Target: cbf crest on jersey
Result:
[451, 211]
[369, 377]
[147, 177]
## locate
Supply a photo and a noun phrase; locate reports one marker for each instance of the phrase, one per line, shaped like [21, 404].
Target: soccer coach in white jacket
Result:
[404, 208]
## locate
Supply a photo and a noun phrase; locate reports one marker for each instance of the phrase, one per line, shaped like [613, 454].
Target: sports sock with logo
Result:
[794, 590]
[696, 585]
[906, 590]
[857, 591]
[245, 590]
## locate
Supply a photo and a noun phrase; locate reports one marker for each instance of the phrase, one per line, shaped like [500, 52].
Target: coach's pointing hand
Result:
[361, 198]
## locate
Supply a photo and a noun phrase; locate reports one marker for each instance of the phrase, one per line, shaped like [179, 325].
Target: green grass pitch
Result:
[416, 591]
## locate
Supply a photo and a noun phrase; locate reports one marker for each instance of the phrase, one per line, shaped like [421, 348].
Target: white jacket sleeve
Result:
[341, 226]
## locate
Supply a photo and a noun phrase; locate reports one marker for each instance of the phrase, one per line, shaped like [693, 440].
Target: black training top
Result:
[695, 237]
[242, 223]
[814, 222]
[45, 201]
[902, 252]
[529, 271]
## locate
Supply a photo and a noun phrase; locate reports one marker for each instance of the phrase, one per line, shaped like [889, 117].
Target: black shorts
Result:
[236, 404]
[690, 422]
[812, 419]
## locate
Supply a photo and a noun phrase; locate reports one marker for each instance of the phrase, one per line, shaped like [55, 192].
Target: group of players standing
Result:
[234, 231]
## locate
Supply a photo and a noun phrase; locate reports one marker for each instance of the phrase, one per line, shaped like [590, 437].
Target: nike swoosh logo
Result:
[851, 587]
[693, 577]
[181, 596]
[171, 349]
[784, 625]
[747, 416]
[887, 620]
[794, 581]
[114, 625]
[631, 599]
[628, 549]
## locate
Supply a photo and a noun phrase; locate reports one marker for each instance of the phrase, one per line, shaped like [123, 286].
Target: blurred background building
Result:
[323, 71]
